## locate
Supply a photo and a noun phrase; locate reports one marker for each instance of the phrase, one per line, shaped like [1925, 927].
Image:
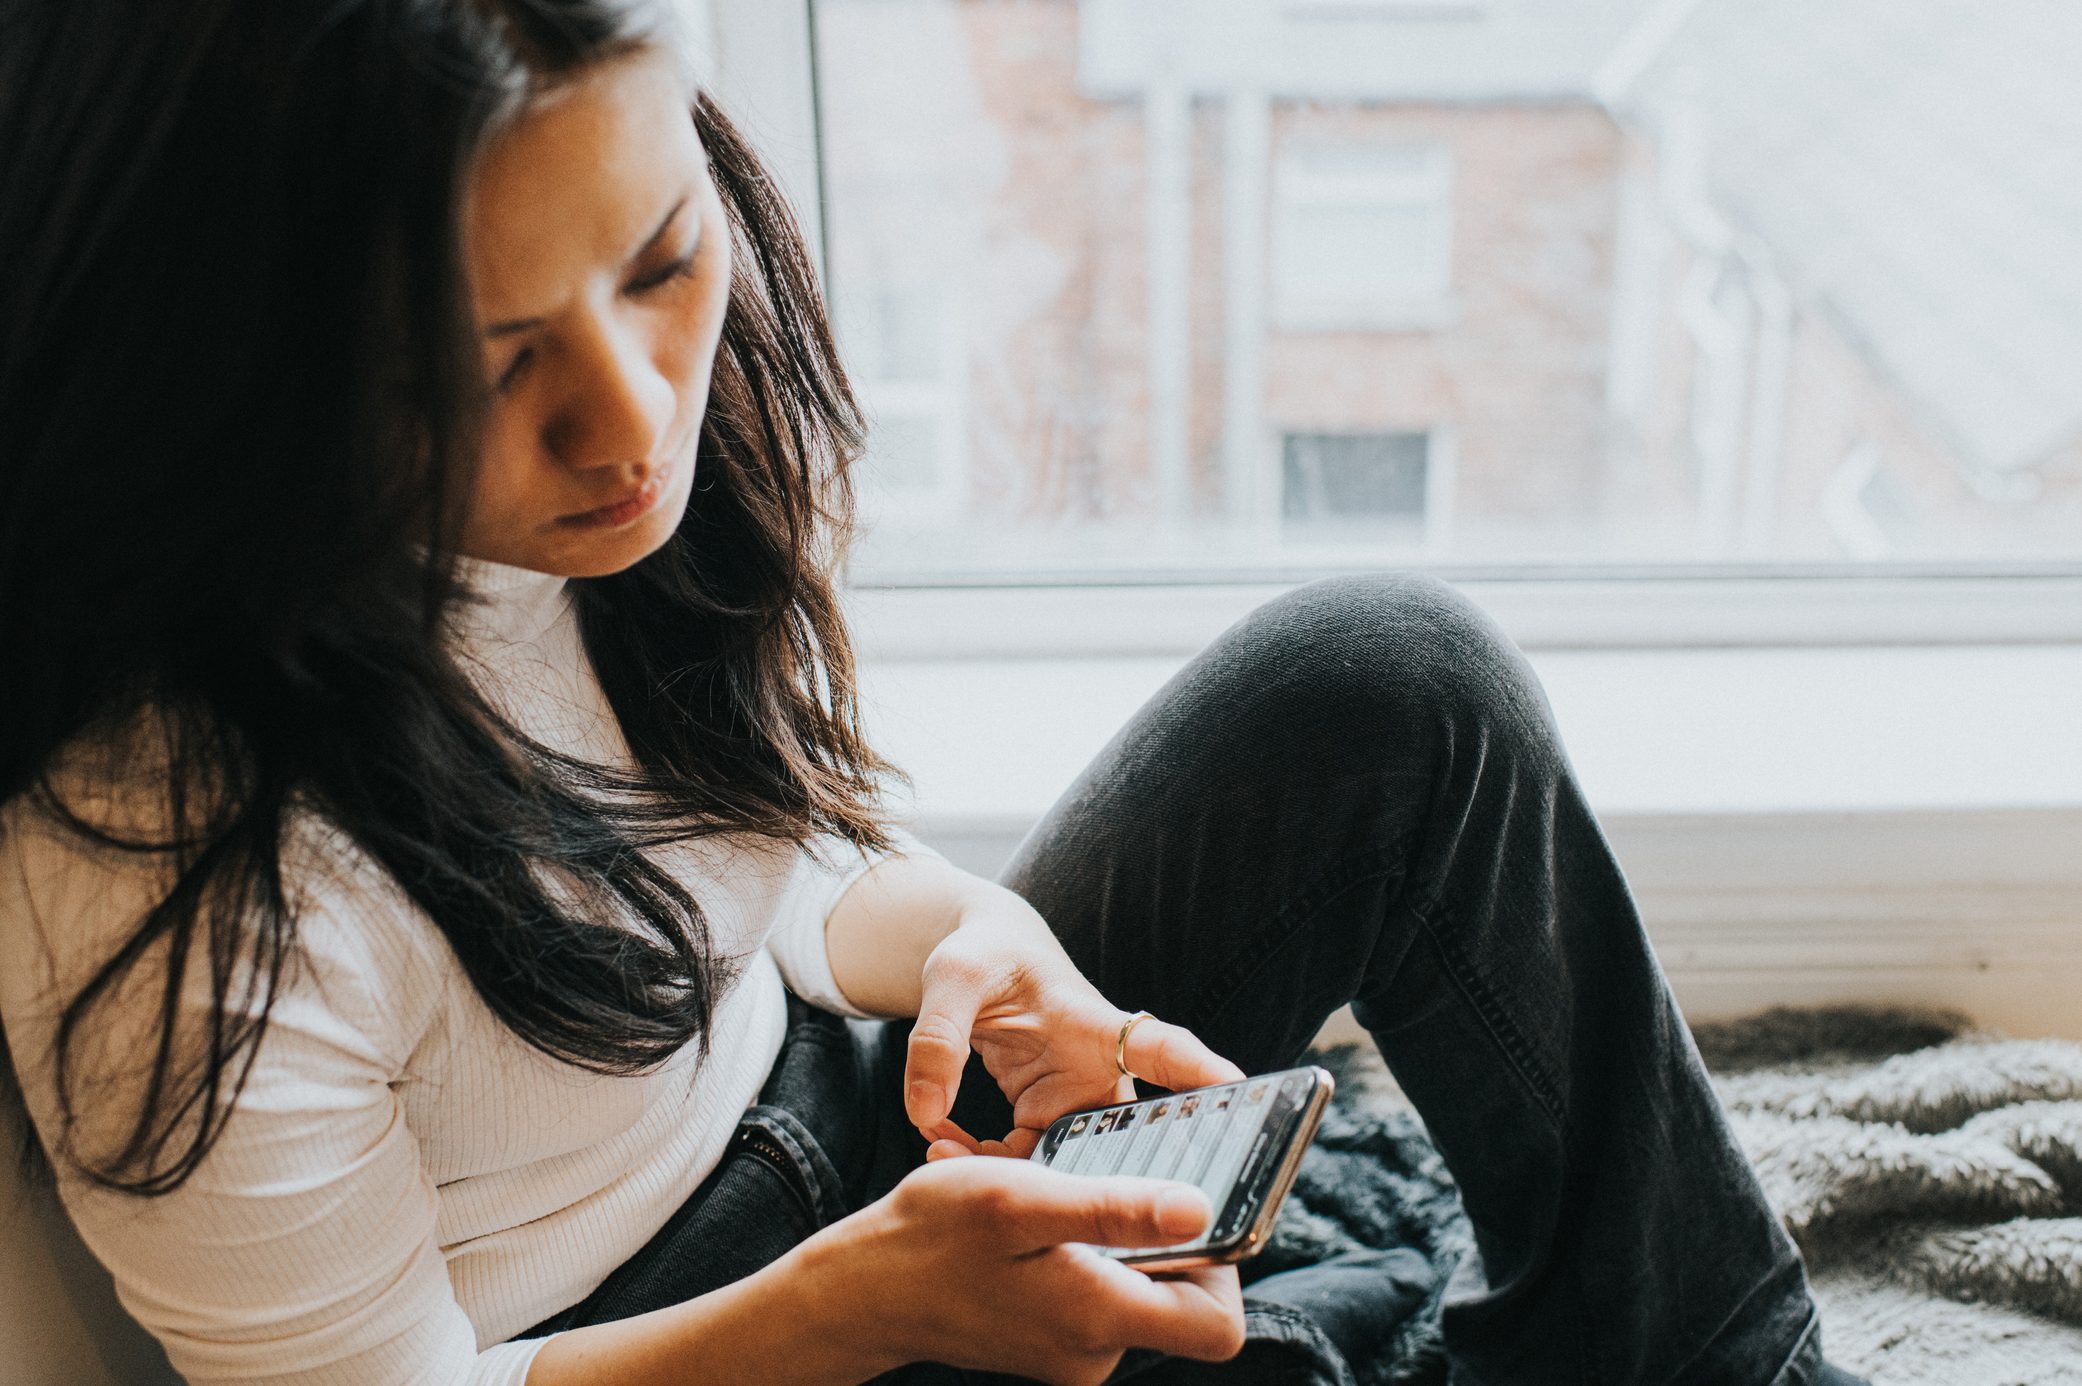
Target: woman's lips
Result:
[622, 512]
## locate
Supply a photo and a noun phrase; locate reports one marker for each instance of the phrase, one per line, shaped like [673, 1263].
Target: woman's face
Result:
[599, 266]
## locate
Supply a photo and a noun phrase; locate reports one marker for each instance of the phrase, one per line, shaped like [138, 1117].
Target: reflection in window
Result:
[895, 334]
[906, 450]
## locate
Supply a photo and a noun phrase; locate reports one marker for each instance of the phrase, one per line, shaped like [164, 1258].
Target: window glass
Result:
[1363, 480]
[1135, 286]
[1362, 236]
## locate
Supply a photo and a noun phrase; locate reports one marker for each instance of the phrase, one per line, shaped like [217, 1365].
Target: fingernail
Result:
[925, 1100]
[1182, 1211]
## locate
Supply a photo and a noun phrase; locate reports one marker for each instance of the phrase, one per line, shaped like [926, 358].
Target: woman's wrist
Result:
[881, 931]
[801, 1320]
[1018, 928]
[831, 1282]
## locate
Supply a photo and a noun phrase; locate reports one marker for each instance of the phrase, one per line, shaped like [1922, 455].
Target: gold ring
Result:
[1120, 1045]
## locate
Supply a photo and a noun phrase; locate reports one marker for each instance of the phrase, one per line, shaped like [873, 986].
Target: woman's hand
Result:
[1001, 984]
[989, 1264]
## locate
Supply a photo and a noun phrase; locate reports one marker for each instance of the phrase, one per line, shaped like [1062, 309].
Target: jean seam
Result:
[1300, 1325]
[1495, 1016]
[1518, 1052]
[1386, 864]
[1814, 1327]
[1807, 1331]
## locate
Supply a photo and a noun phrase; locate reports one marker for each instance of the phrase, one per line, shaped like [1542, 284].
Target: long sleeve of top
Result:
[403, 1185]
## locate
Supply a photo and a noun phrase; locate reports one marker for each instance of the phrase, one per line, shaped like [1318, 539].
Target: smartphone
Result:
[1241, 1143]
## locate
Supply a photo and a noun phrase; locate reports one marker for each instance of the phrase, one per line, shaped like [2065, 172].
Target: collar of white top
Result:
[514, 605]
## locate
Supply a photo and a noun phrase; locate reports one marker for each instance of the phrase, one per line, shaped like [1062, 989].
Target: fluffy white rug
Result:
[1933, 1176]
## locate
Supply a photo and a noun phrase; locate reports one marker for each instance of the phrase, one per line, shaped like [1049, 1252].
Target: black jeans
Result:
[1355, 794]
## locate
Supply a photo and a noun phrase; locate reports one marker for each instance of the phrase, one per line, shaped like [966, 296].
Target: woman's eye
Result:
[678, 269]
[512, 372]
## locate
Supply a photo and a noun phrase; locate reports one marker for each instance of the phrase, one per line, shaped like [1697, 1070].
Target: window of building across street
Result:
[1136, 287]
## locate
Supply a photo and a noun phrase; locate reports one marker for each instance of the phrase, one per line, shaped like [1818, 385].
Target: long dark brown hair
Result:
[240, 406]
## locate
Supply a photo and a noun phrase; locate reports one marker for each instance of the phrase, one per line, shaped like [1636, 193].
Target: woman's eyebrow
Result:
[513, 325]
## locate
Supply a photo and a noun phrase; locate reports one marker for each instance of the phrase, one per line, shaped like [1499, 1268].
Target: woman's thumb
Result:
[938, 1051]
[1112, 1211]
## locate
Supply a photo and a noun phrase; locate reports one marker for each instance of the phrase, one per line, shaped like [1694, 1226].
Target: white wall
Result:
[60, 1324]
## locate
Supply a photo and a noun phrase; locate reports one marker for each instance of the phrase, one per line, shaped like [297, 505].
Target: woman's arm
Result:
[982, 971]
[774, 1326]
[889, 921]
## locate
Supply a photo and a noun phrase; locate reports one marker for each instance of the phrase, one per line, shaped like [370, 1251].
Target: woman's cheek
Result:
[500, 494]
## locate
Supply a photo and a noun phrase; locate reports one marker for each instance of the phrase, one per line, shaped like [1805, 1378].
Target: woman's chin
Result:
[567, 547]
[597, 551]
[613, 552]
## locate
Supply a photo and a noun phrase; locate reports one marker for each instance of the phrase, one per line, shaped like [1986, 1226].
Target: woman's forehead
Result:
[568, 184]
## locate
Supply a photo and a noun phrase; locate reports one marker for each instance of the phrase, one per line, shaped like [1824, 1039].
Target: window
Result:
[1363, 238]
[1683, 315]
[1369, 484]
[1753, 391]
[903, 351]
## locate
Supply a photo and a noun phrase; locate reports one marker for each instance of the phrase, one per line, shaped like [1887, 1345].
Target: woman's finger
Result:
[1195, 1313]
[1017, 1145]
[1173, 1057]
[950, 1130]
[1043, 1207]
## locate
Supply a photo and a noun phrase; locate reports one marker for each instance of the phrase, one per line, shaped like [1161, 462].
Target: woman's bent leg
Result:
[1357, 794]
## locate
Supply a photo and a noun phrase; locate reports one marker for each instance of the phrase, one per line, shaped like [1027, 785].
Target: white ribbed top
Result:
[404, 1184]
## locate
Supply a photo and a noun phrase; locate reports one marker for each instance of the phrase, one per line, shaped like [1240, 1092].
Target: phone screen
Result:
[1226, 1139]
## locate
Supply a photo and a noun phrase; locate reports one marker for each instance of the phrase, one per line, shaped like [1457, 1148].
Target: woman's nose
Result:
[620, 407]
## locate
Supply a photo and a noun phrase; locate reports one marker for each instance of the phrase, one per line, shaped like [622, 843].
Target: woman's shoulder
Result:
[75, 846]
[91, 848]
[111, 779]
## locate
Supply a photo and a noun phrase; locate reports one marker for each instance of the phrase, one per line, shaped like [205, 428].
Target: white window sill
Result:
[1653, 733]
[1801, 824]
[1161, 611]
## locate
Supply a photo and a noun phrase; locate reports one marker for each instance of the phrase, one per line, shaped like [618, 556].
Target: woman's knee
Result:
[1353, 653]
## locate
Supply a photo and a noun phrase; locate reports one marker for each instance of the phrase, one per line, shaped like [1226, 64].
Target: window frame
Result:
[1617, 609]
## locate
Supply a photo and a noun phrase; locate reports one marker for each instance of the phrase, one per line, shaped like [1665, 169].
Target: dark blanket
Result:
[1371, 1185]
[1931, 1173]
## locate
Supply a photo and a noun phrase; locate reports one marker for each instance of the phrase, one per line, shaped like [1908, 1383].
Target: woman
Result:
[431, 761]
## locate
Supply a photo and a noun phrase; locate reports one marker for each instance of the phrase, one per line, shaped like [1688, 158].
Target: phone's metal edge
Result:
[1253, 1241]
